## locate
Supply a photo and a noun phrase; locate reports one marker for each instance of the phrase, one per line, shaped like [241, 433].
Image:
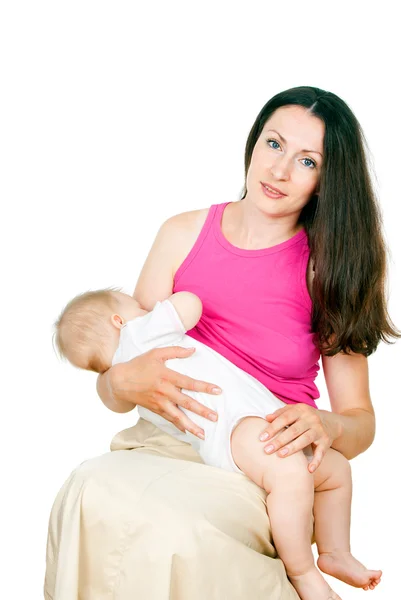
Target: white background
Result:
[115, 116]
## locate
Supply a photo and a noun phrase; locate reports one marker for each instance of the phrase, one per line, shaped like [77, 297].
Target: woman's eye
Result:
[274, 142]
[311, 163]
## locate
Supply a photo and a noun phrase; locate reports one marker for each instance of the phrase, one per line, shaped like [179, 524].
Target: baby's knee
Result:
[334, 467]
[264, 469]
[293, 467]
[342, 467]
[288, 475]
[338, 461]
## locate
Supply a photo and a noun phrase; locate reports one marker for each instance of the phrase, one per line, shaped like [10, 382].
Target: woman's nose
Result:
[281, 169]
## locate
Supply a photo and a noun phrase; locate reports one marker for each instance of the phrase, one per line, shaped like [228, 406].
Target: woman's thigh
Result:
[132, 523]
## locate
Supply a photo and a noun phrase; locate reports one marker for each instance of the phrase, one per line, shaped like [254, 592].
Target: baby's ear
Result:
[117, 321]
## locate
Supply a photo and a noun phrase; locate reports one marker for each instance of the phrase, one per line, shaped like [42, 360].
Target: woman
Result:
[141, 524]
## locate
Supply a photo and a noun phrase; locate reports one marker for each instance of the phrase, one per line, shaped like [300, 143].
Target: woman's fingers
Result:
[176, 396]
[194, 385]
[305, 416]
[286, 417]
[172, 352]
[272, 416]
[293, 428]
[149, 383]
[178, 418]
[292, 439]
[183, 381]
[318, 455]
[300, 443]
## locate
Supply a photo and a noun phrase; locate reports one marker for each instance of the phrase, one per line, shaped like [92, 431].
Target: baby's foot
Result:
[312, 586]
[344, 566]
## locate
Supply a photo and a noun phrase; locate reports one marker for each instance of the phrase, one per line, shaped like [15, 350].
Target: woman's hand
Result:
[145, 380]
[303, 425]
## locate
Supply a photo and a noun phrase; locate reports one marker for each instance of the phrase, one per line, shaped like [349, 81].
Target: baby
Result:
[99, 329]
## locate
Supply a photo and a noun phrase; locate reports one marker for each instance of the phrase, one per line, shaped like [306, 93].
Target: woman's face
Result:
[288, 156]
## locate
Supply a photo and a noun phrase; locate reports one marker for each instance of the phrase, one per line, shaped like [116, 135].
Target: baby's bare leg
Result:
[332, 509]
[290, 489]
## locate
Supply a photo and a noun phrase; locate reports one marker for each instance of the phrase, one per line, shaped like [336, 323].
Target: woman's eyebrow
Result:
[285, 141]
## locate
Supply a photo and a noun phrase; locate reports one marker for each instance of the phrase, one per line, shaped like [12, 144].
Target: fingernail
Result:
[312, 468]
[264, 437]
[212, 417]
[269, 448]
[283, 452]
[216, 390]
[201, 436]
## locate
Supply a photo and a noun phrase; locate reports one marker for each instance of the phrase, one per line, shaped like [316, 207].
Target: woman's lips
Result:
[271, 193]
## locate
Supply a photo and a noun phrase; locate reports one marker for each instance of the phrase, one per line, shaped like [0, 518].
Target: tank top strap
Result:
[219, 209]
[212, 221]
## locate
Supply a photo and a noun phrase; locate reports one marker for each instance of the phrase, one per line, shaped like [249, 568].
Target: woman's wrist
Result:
[334, 424]
[354, 431]
[108, 386]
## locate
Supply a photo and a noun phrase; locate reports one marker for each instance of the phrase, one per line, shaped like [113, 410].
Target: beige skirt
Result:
[151, 521]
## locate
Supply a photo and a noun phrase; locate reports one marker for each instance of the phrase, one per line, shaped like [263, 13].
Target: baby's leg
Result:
[332, 509]
[290, 489]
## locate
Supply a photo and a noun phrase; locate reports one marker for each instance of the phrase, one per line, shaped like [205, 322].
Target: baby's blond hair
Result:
[83, 331]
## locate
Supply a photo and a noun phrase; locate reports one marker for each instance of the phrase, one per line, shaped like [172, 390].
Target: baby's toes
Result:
[374, 577]
[373, 584]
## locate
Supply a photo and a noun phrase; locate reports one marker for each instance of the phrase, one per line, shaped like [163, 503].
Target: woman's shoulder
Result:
[192, 219]
[173, 242]
[184, 229]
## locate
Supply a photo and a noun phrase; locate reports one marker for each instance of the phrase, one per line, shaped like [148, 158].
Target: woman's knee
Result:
[93, 471]
[103, 486]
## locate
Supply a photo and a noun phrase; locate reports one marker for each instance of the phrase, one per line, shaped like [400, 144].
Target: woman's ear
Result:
[117, 321]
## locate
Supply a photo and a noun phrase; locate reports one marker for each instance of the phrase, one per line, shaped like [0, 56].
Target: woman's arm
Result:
[106, 382]
[145, 380]
[352, 413]
[350, 428]
[155, 283]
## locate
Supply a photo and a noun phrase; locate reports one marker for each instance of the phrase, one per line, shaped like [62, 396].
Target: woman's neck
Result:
[247, 227]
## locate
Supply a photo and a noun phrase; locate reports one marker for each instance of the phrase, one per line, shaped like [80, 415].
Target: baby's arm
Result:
[188, 307]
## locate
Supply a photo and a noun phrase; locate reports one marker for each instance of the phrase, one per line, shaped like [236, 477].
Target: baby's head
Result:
[87, 331]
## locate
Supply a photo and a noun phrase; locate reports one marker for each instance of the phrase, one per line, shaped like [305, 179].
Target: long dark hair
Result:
[344, 227]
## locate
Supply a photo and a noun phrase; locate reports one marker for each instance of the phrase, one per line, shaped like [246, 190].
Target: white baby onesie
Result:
[242, 395]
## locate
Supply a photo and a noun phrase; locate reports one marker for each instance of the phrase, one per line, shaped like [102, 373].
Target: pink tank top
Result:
[256, 308]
